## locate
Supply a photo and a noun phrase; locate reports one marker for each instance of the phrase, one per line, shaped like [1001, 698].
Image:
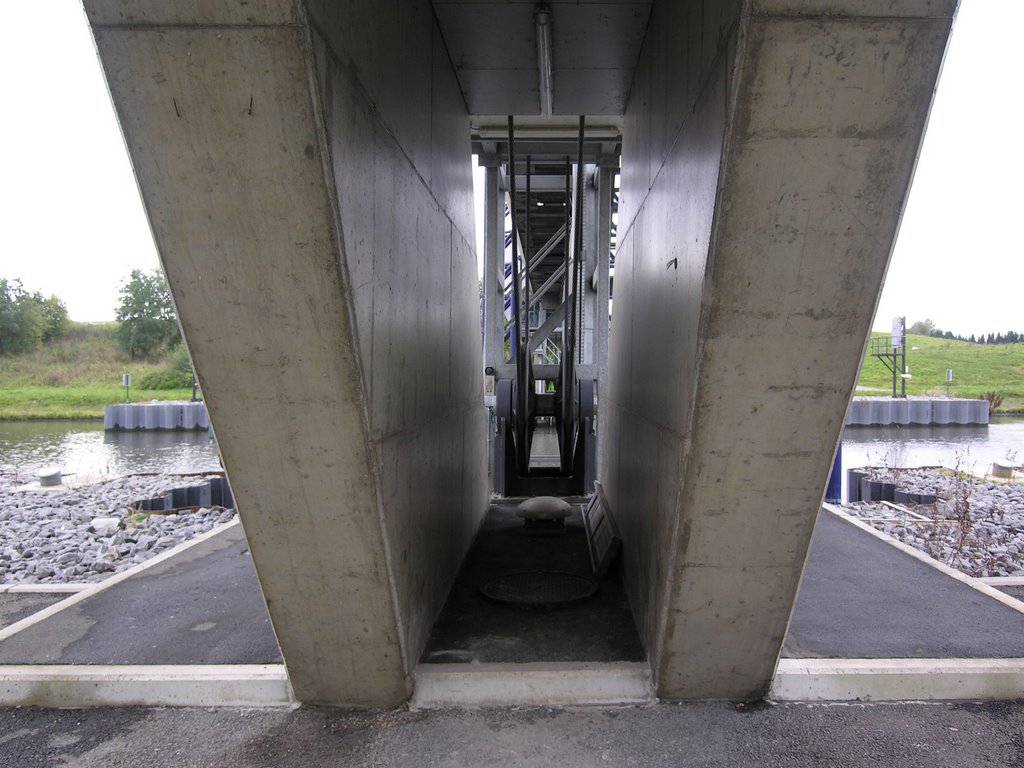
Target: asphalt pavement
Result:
[862, 598]
[202, 606]
[705, 736]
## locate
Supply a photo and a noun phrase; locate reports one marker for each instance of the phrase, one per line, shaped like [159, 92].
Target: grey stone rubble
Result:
[975, 526]
[90, 533]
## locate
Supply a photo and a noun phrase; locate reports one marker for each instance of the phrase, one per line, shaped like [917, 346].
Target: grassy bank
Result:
[73, 378]
[977, 369]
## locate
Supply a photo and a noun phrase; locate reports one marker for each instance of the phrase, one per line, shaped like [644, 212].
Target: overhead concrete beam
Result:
[320, 261]
[764, 181]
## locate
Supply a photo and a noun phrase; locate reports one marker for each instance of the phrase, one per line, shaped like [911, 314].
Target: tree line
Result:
[146, 322]
[928, 328]
[27, 319]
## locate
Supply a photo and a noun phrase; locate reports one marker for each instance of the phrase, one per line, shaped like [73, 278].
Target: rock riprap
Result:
[975, 525]
[89, 533]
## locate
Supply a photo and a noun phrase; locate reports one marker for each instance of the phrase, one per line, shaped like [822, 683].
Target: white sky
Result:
[71, 222]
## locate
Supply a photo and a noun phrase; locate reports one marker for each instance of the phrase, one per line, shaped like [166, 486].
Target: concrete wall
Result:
[753, 251]
[399, 142]
[672, 143]
[311, 208]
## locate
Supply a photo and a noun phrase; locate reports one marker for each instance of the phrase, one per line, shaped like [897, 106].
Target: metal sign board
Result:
[898, 331]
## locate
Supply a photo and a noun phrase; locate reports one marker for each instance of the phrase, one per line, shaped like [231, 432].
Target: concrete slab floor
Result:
[474, 628]
[712, 735]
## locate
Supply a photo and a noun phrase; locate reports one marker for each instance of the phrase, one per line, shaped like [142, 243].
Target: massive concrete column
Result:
[306, 171]
[768, 149]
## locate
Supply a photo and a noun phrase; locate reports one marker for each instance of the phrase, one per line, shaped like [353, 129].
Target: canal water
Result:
[85, 448]
[969, 448]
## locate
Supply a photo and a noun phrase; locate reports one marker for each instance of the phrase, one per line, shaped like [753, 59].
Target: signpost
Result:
[893, 352]
[126, 382]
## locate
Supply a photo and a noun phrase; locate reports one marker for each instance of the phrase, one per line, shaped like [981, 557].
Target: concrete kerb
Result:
[1003, 581]
[207, 685]
[47, 589]
[817, 680]
[531, 684]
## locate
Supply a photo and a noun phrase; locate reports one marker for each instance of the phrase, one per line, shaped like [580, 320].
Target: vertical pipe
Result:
[522, 395]
[527, 255]
[565, 385]
[903, 370]
[834, 489]
[515, 241]
[578, 244]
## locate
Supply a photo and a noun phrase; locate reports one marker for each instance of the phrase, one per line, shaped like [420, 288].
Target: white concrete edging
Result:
[1003, 581]
[898, 680]
[978, 584]
[536, 683]
[117, 578]
[47, 589]
[208, 685]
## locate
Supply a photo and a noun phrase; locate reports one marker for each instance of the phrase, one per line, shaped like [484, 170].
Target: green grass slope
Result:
[74, 377]
[977, 369]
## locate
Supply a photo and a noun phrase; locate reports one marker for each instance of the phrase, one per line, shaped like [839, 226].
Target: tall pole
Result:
[527, 255]
[903, 371]
[522, 396]
[565, 385]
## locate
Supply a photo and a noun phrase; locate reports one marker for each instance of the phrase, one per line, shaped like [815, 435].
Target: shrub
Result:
[176, 372]
[994, 400]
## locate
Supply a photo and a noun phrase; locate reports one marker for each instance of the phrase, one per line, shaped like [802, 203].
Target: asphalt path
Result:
[863, 598]
[202, 606]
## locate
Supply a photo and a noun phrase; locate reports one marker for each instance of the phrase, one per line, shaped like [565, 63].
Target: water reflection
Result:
[84, 448]
[972, 448]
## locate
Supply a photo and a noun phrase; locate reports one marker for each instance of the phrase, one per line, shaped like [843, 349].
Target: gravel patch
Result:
[89, 533]
[975, 526]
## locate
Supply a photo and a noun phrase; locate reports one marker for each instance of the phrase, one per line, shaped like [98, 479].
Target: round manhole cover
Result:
[539, 588]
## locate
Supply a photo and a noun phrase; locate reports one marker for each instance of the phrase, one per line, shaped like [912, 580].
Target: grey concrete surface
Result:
[202, 606]
[862, 598]
[472, 628]
[767, 152]
[681, 736]
[310, 193]
[19, 605]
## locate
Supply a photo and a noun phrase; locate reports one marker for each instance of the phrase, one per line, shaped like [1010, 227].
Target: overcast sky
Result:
[71, 222]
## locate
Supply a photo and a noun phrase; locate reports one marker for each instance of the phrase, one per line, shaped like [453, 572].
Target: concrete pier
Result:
[780, 137]
[892, 411]
[305, 166]
[171, 415]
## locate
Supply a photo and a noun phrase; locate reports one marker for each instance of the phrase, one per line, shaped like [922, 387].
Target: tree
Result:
[922, 328]
[21, 318]
[146, 314]
[27, 319]
[56, 317]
